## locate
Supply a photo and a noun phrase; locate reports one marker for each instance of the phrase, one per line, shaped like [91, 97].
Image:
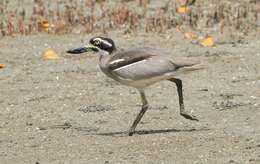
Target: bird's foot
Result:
[189, 116]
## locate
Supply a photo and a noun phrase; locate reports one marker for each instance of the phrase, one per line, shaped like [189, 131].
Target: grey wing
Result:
[148, 68]
[124, 58]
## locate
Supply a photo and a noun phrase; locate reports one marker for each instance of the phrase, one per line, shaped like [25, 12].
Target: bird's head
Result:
[96, 44]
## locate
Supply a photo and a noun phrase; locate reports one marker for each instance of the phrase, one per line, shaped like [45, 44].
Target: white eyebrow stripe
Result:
[104, 41]
[117, 61]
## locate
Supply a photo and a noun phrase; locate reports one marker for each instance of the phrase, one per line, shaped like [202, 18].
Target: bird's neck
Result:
[103, 58]
[106, 53]
[104, 64]
[103, 53]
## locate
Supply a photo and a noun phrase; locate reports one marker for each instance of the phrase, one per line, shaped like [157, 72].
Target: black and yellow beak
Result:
[80, 50]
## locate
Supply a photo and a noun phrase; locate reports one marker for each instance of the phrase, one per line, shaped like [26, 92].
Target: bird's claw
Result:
[189, 116]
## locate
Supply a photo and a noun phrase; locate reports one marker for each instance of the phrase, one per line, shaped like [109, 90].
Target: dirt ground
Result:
[68, 111]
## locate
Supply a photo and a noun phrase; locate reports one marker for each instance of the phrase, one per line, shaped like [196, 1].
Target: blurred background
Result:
[232, 17]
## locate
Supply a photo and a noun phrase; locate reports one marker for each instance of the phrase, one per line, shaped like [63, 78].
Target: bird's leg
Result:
[141, 113]
[178, 83]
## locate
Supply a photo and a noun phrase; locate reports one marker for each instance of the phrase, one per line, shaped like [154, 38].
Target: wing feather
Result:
[145, 69]
[141, 64]
[126, 58]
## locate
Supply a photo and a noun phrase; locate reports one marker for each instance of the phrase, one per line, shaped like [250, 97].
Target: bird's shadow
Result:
[146, 132]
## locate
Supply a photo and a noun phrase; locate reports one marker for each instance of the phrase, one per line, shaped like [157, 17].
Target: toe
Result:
[190, 117]
[130, 133]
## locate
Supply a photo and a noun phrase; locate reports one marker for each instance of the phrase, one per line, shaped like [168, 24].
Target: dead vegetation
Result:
[87, 16]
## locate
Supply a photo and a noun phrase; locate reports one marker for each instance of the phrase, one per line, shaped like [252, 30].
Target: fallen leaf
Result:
[50, 55]
[44, 25]
[190, 35]
[207, 42]
[2, 66]
[183, 9]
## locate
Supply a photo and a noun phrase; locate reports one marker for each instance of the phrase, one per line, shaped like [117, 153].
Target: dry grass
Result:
[60, 17]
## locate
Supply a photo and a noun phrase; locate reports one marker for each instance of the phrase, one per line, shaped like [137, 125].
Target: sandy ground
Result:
[68, 111]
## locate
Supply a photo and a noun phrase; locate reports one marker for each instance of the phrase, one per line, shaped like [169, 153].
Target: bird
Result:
[138, 68]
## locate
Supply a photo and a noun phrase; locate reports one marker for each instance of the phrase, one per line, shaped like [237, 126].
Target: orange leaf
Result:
[2, 66]
[207, 42]
[44, 24]
[50, 55]
[183, 9]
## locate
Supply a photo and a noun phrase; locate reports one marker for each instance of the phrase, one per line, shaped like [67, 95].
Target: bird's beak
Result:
[80, 50]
